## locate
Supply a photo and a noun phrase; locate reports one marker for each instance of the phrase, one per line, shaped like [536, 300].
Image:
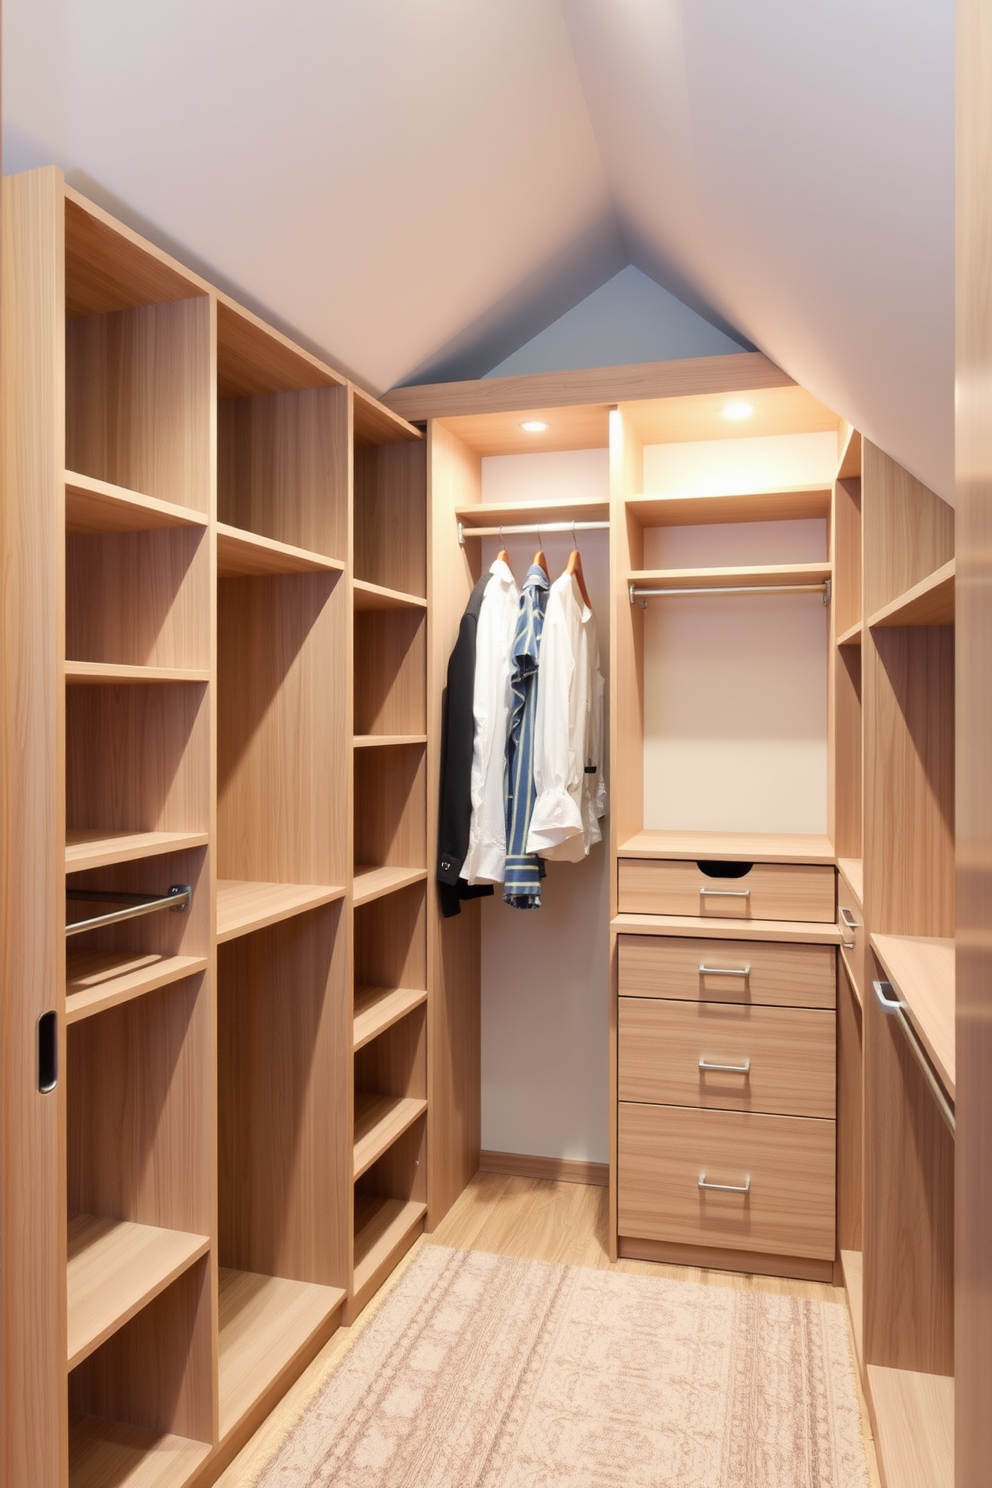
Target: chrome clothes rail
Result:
[529, 529]
[177, 899]
[894, 1008]
[637, 593]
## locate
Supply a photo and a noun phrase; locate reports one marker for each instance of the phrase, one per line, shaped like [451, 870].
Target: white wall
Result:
[545, 973]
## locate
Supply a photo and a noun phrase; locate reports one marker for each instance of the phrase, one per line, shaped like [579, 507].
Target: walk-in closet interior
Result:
[250, 1058]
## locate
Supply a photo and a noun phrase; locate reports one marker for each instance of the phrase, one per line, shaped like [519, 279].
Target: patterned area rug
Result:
[483, 1371]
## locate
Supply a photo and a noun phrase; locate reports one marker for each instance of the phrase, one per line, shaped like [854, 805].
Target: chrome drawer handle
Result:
[727, 1069]
[852, 924]
[725, 893]
[744, 1187]
[741, 971]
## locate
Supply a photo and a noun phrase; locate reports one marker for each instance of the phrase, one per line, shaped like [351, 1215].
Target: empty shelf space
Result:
[385, 741]
[378, 1008]
[851, 1260]
[790, 503]
[914, 1427]
[244, 906]
[379, 1121]
[377, 424]
[247, 555]
[373, 883]
[921, 971]
[851, 636]
[853, 871]
[113, 1454]
[776, 575]
[377, 597]
[265, 1323]
[930, 602]
[97, 673]
[849, 465]
[93, 506]
[381, 1227]
[114, 1269]
[91, 849]
[758, 847]
[801, 931]
[519, 513]
[97, 980]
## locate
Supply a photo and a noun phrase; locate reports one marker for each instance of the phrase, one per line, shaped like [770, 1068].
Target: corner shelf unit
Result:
[188, 1240]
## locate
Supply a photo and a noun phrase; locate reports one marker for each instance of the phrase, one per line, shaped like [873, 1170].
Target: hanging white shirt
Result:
[568, 736]
[486, 856]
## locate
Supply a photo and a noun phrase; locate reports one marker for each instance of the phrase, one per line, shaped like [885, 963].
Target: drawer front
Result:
[850, 923]
[787, 1164]
[769, 891]
[780, 1061]
[777, 973]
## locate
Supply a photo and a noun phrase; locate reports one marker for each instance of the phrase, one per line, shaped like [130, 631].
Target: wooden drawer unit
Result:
[776, 973]
[764, 891]
[727, 1056]
[850, 923]
[778, 1173]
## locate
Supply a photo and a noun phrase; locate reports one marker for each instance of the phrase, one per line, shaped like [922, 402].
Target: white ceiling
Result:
[417, 187]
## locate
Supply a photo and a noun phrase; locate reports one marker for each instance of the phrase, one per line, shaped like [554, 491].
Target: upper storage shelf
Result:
[790, 503]
[930, 602]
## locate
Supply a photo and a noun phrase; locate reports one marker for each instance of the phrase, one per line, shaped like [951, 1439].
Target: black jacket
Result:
[457, 739]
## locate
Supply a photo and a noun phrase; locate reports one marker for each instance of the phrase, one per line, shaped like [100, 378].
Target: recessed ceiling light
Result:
[738, 410]
[534, 426]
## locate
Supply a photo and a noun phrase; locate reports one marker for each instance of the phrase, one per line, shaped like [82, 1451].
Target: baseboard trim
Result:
[558, 1169]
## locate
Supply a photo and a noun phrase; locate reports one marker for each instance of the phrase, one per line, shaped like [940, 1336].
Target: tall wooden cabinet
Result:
[213, 670]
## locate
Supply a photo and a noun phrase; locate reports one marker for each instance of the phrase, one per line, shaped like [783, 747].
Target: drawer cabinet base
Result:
[709, 1258]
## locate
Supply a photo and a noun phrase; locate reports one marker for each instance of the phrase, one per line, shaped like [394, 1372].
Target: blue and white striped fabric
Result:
[524, 871]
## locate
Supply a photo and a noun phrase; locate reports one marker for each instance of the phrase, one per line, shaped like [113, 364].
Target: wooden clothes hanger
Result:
[575, 570]
[539, 558]
[502, 556]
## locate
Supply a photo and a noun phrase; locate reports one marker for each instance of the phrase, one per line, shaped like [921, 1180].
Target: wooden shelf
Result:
[113, 1454]
[378, 1008]
[775, 575]
[246, 906]
[95, 506]
[851, 636]
[382, 1227]
[520, 512]
[790, 503]
[373, 883]
[266, 1324]
[379, 1121]
[377, 424]
[242, 554]
[757, 847]
[99, 673]
[97, 980]
[849, 464]
[91, 849]
[114, 1269]
[921, 971]
[383, 741]
[852, 1262]
[914, 1427]
[930, 602]
[376, 597]
[802, 931]
[853, 871]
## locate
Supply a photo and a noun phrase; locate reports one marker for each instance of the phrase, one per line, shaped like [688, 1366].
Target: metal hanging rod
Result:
[637, 594]
[894, 1008]
[177, 899]
[536, 529]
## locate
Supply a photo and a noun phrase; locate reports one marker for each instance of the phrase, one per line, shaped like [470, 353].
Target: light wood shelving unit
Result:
[188, 673]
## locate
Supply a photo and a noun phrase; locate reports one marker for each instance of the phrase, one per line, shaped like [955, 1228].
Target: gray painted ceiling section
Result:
[418, 188]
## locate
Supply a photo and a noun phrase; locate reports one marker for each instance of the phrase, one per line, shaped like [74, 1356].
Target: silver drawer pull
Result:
[727, 1069]
[744, 1187]
[741, 971]
[725, 893]
[852, 924]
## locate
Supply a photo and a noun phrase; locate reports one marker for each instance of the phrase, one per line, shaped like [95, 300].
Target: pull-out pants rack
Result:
[132, 906]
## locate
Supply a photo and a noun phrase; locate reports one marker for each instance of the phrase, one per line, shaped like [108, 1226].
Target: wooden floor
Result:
[530, 1217]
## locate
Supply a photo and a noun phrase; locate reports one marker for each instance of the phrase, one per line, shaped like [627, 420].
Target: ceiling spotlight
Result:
[738, 410]
[534, 426]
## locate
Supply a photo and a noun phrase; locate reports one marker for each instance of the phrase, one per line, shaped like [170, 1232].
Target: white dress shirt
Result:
[568, 739]
[486, 856]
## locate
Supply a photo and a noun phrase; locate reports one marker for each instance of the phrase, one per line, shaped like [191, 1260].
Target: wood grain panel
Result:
[391, 516]
[390, 671]
[94, 506]
[705, 1258]
[758, 847]
[109, 267]
[854, 938]
[930, 602]
[777, 504]
[138, 400]
[788, 932]
[908, 531]
[33, 1431]
[776, 891]
[846, 553]
[254, 359]
[168, 933]
[850, 1118]
[914, 1427]
[102, 1452]
[390, 805]
[922, 976]
[790, 1055]
[390, 940]
[395, 1064]
[847, 743]
[779, 974]
[789, 1209]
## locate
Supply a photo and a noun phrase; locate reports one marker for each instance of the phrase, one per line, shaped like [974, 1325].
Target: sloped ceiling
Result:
[418, 187]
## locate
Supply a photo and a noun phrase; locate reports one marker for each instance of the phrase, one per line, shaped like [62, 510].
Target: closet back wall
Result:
[545, 973]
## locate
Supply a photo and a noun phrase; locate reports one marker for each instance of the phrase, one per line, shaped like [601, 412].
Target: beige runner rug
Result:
[484, 1371]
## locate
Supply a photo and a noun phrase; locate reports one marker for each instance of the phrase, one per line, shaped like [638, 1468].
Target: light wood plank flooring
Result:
[530, 1217]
